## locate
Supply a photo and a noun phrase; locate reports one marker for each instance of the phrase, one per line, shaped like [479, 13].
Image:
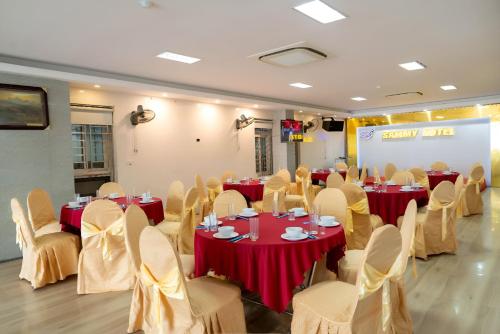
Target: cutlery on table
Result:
[238, 238]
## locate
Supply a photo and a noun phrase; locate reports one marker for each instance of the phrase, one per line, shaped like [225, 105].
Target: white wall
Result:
[166, 147]
[325, 148]
[35, 158]
[471, 143]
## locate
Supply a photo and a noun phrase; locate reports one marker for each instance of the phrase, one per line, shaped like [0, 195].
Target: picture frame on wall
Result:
[23, 108]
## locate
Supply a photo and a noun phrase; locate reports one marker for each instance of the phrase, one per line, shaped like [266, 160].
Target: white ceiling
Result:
[456, 39]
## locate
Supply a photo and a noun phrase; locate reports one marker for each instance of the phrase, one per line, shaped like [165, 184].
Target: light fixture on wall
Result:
[141, 115]
[243, 122]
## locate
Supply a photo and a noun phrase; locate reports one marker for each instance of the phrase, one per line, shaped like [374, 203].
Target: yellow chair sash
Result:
[477, 183]
[212, 194]
[424, 182]
[91, 230]
[435, 206]
[460, 204]
[169, 286]
[187, 232]
[20, 241]
[371, 280]
[376, 175]
[361, 207]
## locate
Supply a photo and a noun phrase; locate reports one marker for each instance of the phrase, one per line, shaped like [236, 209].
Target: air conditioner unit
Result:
[293, 56]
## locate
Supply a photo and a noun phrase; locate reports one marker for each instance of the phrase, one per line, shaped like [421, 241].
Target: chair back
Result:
[459, 186]
[352, 174]
[228, 174]
[214, 188]
[175, 198]
[407, 230]
[25, 233]
[161, 273]
[334, 180]
[307, 193]
[331, 202]
[188, 222]
[420, 176]
[341, 166]
[442, 198]
[304, 166]
[40, 208]
[135, 221]
[439, 166]
[101, 215]
[285, 175]
[221, 203]
[274, 190]
[111, 188]
[403, 178]
[358, 227]
[389, 170]
[300, 175]
[376, 175]
[200, 186]
[364, 174]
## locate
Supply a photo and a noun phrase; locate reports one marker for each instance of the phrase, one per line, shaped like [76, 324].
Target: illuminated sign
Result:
[366, 133]
[397, 134]
[438, 132]
[308, 139]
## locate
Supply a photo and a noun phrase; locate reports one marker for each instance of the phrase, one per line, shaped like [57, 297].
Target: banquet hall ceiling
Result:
[457, 40]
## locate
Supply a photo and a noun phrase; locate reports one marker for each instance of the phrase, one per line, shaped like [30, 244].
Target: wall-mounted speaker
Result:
[329, 124]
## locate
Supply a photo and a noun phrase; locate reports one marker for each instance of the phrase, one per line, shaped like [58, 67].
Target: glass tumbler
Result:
[254, 228]
[230, 211]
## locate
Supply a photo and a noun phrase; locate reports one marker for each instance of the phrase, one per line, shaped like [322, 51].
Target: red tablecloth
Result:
[271, 266]
[71, 219]
[322, 175]
[370, 180]
[391, 204]
[436, 177]
[253, 190]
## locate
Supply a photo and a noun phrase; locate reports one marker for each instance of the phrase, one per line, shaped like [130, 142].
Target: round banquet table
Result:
[322, 175]
[71, 219]
[391, 204]
[436, 177]
[271, 266]
[252, 190]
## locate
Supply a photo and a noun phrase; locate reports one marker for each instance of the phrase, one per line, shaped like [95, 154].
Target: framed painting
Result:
[23, 107]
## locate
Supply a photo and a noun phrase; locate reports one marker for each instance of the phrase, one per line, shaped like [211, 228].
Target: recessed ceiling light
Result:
[97, 86]
[320, 11]
[255, 105]
[412, 66]
[479, 105]
[217, 101]
[358, 98]
[300, 85]
[82, 91]
[164, 94]
[319, 114]
[178, 57]
[440, 117]
[300, 111]
[448, 87]
[384, 114]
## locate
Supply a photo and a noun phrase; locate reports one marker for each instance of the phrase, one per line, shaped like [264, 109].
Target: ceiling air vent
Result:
[293, 56]
[405, 95]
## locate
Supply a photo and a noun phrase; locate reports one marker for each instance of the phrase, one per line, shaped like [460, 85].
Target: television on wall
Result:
[292, 131]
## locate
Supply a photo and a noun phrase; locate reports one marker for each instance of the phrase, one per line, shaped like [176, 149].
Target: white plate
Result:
[248, 215]
[75, 207]
[302, 236]
[390, 183]
[220, 236]
[218, 223]
[335, 223]
[146, 202]
[419, 186]
[406, 190]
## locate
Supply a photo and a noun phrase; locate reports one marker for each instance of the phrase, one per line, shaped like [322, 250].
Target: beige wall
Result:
[166, 147]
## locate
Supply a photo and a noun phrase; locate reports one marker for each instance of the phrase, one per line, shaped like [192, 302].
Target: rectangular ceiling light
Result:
[300, 85]
[358, 98]
[448, 87]
[178, 57]
[412, 66]
[320, 11]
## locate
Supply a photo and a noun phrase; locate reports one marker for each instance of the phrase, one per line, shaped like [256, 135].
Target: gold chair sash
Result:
[213, 193]
[460, 203]
[169, 286]
[477, 183]
[90, 230]
[435, 206]
[376, 175]
[20, 241]
[371, 280]
[424, 181]
[361, 207]
[186, 241]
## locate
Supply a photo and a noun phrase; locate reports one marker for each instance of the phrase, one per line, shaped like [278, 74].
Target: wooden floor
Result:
[452, 294]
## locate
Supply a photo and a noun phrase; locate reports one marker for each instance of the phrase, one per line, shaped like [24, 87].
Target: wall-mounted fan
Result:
[243, 122]
[312, 125]
[141, 115]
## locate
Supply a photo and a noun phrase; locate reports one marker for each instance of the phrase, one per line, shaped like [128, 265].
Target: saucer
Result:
[146, 202]
[301, 236]
[248, 215]
[75, 207]
[333, 224]
[218, 223]
[406, 190]
[229, 236]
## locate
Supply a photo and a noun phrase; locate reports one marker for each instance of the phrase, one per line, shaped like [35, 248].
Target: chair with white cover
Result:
[214, 188]
[103, 264]
[175, 201]
[47, 258]
[228, 174]
[355, 308]
[41, 213]
[109, 188]
[203, 202]
[174, 305]
[439, 166]
[334, 180]
[403, 178]
[435, 229]
[341, 166]
[421, 177]
[359, 222]
[308, 194]
[181, 234]
[352, 174]
[472, 202]
[274, 194]
[389, 170]
[227, 197]
[136, 221]
[349, 266]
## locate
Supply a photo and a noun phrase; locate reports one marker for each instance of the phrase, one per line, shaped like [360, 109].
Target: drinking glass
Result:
[276, 212]
[231, 213]
[254, 228]
[322, 230]
[97, 195]
[291, 216]
[213, 222]
[313, 226]
[77, 197]
[130, 197]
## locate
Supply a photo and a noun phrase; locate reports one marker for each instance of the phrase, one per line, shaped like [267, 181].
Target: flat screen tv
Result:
[291, 131]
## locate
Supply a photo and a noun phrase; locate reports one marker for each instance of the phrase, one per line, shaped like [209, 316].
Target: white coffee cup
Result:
[226, 230]
[73, 204]
[248, 211]
[327, 220]
[294, 231]
[298, 211]
[416, 184]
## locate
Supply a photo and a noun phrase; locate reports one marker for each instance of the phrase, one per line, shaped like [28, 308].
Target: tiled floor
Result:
[452, 293]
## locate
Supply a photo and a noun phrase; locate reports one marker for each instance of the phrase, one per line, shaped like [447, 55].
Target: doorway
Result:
[263, 151]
